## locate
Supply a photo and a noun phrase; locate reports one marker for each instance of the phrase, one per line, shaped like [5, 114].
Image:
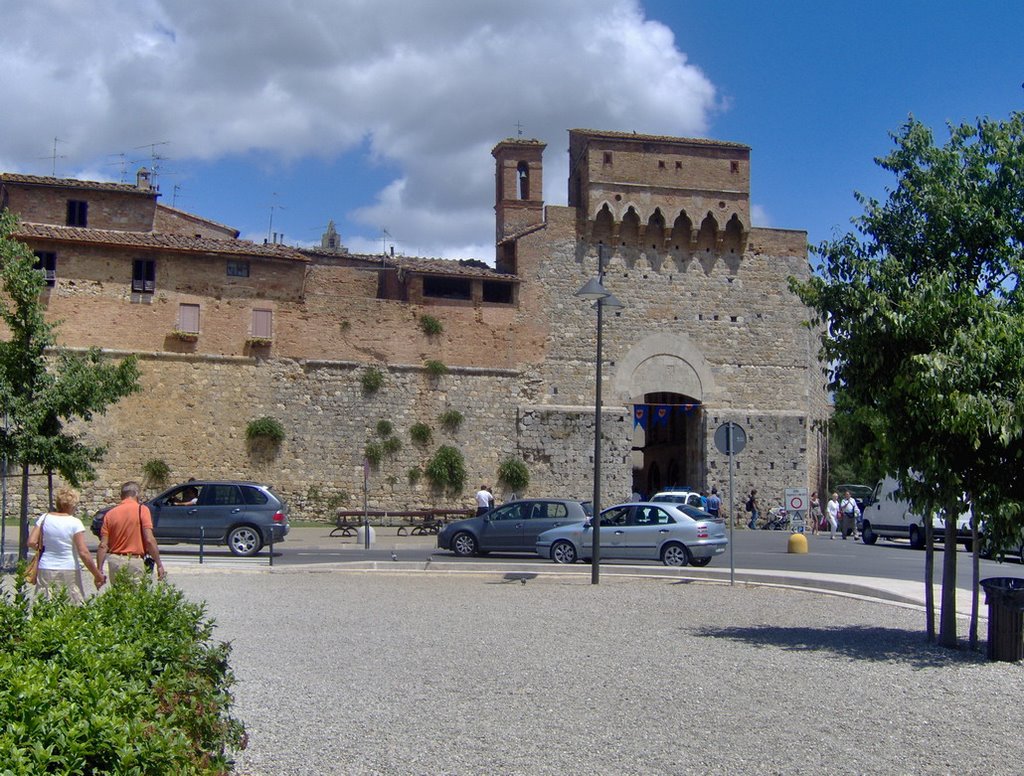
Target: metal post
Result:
[366, 504]
[271, 545]
[595, 564]
[202, 537]
[732, 507]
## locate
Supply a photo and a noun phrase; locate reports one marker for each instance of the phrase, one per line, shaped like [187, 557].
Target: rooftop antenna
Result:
[385, 235]
[273, 206]
[519, 129]
[154, 159]
[54, 156]
[174, 194]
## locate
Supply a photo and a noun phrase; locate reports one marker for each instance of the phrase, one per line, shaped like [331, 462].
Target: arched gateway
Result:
[666, 381]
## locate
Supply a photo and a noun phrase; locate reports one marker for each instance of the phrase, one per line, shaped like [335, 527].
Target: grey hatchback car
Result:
[243, 515]
[511, 527]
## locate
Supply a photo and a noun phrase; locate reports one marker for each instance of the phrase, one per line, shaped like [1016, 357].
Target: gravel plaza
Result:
[412, 672]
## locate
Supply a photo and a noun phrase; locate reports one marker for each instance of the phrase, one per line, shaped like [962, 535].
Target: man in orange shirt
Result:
[127, 536]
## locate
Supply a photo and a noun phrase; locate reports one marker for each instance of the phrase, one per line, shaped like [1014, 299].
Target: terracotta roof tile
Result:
[158, 241]
[701, 141]
[74, 183]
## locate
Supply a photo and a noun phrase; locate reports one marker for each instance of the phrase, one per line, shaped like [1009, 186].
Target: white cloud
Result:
[759, 216]
[431, 85]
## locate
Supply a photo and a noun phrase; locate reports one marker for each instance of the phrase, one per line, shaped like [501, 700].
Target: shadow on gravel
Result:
[877, 645]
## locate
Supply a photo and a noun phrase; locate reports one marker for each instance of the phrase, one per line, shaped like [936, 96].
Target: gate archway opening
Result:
[668, 446]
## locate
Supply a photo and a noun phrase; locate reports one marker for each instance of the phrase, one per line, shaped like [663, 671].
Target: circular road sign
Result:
[739, 438]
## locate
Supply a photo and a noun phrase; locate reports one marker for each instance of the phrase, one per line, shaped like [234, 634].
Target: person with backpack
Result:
[714, 503]
[850, 512]
[753, 508]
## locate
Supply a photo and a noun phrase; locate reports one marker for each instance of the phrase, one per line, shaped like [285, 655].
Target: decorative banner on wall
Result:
[661, 414]
[658, 415]
[640, 416]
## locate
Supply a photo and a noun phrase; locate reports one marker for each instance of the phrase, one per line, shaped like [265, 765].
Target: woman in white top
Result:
[63, 536]
[832, 513]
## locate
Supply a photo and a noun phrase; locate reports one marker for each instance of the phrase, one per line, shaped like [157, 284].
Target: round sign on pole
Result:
[730, 432]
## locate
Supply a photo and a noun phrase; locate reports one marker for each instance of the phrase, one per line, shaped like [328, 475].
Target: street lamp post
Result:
[603, 299]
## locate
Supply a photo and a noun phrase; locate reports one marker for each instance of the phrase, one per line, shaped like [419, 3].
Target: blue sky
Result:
[382, 115]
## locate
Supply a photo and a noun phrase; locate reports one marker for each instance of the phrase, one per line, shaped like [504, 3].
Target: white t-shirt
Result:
[484, 498]
[849, 507]
[58, 541]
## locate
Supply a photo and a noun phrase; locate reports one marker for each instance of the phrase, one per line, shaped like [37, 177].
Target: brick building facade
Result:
[228, 330]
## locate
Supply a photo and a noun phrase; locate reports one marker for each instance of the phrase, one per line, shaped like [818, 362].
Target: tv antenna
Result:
[174, 194]
[519, 129]
[54, 156]
[273, 206]
[154, 158]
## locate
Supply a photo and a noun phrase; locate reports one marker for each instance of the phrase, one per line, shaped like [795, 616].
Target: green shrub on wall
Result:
[156, 470]
[372, 379]
[266, 429]
[129, 682]
[436, 368]
[384, 428]
[513, 473]
[391, 446]
[451, 420]
[447, 470]
[415, 474]
[420, 433]
[430, 325]
[374, 453]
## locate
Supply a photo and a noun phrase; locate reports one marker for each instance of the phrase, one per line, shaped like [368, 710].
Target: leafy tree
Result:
[924, 331]
[42, 388]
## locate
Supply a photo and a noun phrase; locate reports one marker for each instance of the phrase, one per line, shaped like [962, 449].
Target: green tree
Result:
[923, 331]
[43, 388]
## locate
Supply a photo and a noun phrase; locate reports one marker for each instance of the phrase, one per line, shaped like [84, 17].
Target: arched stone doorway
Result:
[666, 377]
[668, 448]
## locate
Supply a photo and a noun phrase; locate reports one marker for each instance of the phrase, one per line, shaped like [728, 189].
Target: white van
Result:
[892, 519]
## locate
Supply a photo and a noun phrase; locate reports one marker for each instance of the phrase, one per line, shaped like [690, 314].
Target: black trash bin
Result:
[1005, 599]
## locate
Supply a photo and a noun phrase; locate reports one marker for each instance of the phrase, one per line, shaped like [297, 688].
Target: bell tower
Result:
[519, 180]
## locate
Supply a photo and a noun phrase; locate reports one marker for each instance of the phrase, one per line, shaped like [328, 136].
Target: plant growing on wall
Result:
[447, 470]
[451, 420]
[435, 368]
[157, 471]
[372, 379]
[420, 433]
[265, 429]
[374, 453]
[391, 446]
[430, 325]
[384, 428]
[415, 474]
[185, 336]
[512, 473]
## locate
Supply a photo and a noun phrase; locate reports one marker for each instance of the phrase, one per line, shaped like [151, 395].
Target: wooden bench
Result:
[415, 522]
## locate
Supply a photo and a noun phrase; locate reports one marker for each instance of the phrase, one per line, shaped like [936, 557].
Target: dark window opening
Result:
[607, 157]
[46, 262]
[734, 166]
[143, 276]
[497, 292]
[679, 165]
[661, 165]
[78, 213]
[238, 269]
[446, 288]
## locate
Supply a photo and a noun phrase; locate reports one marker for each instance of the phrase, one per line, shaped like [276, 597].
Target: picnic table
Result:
[417, 522]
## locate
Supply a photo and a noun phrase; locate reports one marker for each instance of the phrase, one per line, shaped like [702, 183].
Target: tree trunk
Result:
[947, 617]
[929, 580]
[23, 518]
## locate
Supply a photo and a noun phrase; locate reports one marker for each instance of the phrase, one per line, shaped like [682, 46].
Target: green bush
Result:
[435, 368]
[391, 446]
[420, 433]
[415, 474]
[374, 453]
[130, 682]
[513, 473]
[447, 470]
[156, 470]
[430, 325]
[451, 420]
[384, 428]
[372, 379]
[265, 428]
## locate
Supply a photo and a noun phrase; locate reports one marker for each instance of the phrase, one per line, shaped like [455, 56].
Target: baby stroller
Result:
[776, 519]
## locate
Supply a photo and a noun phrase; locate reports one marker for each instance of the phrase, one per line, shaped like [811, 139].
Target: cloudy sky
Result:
[278, 115]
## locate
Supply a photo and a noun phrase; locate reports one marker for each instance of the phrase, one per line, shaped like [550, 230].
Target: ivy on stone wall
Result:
[447, 470]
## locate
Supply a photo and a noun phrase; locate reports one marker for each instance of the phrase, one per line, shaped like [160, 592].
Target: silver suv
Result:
[243, 515]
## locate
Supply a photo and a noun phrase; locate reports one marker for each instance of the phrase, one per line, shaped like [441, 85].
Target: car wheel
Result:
[916, 538]
[464, 544]
[867, 535]
[699, 561]
[245, 540]
[563, 552]
[675, 555]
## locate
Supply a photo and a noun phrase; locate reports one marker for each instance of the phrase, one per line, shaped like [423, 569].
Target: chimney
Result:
[143, 179]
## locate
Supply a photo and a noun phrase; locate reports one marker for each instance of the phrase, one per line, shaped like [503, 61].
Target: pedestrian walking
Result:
[60, 537]
[753, 508]
[484, 500]
[832, 514]
[714, 503]
[850, 512]
[815, 513]
[127, 537]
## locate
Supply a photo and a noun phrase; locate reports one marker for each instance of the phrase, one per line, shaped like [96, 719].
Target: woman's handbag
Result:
[32, 570]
